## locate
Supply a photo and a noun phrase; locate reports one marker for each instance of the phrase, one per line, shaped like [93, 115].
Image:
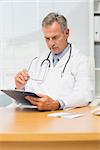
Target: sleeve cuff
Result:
[23, 89]
[62, 104]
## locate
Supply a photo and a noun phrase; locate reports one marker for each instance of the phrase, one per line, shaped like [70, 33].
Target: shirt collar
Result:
[60, 55]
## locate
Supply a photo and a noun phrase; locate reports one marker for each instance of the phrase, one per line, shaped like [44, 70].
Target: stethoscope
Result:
[47, 61]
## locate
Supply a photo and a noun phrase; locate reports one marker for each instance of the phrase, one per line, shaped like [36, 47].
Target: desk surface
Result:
[37, 126]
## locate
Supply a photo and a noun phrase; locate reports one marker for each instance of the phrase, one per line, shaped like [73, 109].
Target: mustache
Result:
[52, 47]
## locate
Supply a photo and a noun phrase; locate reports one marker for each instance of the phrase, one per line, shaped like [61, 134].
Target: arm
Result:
[82, 93]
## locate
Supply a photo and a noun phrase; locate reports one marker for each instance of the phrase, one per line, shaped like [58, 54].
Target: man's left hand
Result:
[44, 102]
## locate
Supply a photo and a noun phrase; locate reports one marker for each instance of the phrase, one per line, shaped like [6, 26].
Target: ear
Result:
[67, 33]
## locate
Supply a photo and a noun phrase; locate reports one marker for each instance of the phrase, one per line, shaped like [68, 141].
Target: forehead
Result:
[53, 28]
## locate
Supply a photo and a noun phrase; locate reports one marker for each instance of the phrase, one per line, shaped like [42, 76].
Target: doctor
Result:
[61, 79]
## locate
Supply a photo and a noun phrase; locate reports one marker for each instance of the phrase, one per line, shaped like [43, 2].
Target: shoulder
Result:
[79, 60]
[78, 55]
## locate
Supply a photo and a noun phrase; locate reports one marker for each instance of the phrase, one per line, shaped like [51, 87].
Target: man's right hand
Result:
[21, 79]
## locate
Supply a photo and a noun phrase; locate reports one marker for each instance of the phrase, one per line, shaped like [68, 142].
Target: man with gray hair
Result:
[61, 79]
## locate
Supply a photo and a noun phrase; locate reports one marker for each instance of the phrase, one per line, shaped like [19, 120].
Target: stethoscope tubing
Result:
[48, 60]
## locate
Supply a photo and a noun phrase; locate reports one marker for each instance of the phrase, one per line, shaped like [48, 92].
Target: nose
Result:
[51, 42]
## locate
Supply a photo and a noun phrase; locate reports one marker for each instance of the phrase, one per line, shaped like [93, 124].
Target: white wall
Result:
[20, 31]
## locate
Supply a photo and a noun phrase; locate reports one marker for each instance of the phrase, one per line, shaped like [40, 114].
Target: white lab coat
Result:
[74, 88]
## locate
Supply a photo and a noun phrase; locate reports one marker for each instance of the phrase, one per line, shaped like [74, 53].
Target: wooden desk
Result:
[21, 130]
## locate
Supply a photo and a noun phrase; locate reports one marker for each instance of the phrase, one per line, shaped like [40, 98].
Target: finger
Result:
[33, 102]
[25, 75]
[31, 98]
[45, 98]
[20, 79]
[42, 95]
[25, 72]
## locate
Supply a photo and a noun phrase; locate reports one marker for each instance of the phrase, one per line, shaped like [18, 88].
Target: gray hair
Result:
[55, 17]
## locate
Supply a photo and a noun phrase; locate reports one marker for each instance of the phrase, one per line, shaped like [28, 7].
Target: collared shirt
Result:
[57, 57]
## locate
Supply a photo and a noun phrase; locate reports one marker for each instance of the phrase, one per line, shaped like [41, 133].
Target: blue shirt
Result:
[57, 57]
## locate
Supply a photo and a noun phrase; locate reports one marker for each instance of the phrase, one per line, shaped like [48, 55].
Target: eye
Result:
[47, 39]
[56, 37]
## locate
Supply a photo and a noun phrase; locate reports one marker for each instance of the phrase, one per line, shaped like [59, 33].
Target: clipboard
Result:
[19, 96]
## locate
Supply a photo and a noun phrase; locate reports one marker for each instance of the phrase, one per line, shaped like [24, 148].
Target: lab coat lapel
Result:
[62, 61]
